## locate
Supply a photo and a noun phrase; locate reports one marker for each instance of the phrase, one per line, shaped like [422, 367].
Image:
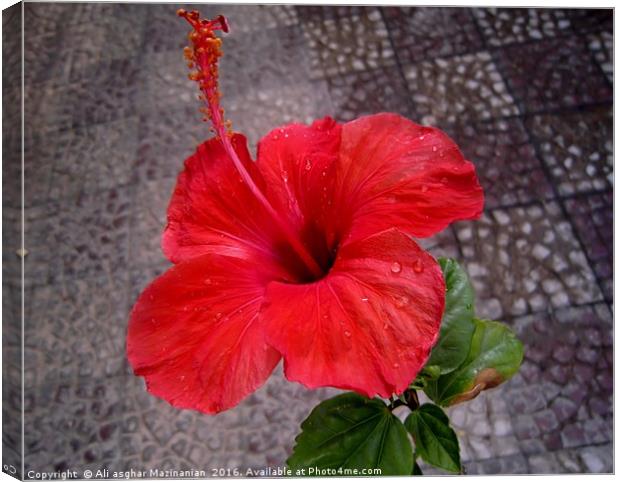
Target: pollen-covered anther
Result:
[229, 129]
[203, 54]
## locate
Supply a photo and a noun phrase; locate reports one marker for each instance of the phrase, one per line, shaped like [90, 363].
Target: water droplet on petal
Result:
[347, 333]
[434, 148]
[417, 266]
[324, 173]
[364, 299]
[308, 165]
[396, 365]
[285, 176]
[424, 188]
[422, 137]
[208, 281]
[402, 301]
[396, 267]
[218, 316]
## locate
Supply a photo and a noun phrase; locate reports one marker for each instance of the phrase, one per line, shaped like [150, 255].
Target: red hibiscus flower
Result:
[304, 254]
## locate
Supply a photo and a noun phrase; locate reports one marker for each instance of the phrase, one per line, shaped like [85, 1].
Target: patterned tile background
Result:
[110, 116]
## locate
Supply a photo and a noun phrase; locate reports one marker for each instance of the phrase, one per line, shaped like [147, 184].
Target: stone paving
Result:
[110, 116]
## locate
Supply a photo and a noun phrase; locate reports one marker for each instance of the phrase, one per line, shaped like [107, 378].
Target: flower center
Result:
[203, 55]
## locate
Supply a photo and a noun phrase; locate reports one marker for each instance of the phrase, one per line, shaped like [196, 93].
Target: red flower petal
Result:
[368, 326]
[213, 211]
[195, 334]
[395, 173]
[298, 164]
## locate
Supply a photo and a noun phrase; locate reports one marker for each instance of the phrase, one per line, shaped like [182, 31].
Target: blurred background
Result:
[110, 116]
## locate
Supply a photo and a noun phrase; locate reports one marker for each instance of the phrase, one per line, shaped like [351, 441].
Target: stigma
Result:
[202, 57]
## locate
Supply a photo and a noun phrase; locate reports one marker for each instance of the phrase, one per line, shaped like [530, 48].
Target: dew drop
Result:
[364, 299]
[324, 173]
[417, 266]
[434, 148]
[424, 188]
[285, 176]
[218, 316]
[396, 267]
[347, 333]
[396, 365]
[308, 165]
[422, 137]
[208, 281]
[402, 301]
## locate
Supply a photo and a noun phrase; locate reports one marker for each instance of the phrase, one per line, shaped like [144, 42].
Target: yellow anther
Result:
[203, 54]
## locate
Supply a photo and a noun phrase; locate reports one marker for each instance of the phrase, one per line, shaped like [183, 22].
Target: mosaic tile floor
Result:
[110, 116]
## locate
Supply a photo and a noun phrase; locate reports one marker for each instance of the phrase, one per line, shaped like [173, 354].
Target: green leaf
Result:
[352, 432]
[457, 325]
[494, 356]
[416, 469]
[434, 440]
[429, 372]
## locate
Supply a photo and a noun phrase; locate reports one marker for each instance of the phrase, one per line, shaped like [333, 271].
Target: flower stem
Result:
[409, 398]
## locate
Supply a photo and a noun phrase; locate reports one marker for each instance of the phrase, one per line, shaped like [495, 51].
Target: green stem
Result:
[409, 398]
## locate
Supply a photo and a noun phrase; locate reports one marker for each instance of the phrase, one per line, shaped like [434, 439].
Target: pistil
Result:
[203, 55]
